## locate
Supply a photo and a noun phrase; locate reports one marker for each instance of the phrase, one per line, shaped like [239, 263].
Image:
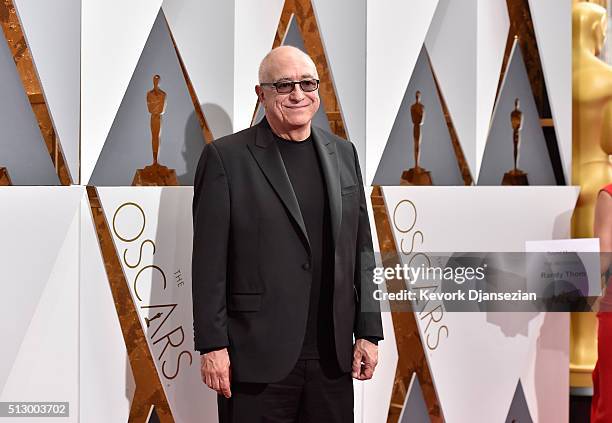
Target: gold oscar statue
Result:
[5, 179]
[591, 167]
[417, 175]
[516, 176]
[155, 174]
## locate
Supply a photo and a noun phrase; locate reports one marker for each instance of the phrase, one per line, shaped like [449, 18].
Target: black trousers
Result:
[313, 392]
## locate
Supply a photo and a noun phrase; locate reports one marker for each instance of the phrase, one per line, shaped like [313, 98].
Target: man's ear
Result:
[260, 93]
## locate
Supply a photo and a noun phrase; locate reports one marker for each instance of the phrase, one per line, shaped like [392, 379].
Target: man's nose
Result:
[297, 94]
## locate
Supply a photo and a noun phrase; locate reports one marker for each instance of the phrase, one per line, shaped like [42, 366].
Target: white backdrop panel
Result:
[106, 382]
[342, 25]
[204, 33]
[39, 250]
[46, 367]
[256, 24]
[157, 264]
[478, 356]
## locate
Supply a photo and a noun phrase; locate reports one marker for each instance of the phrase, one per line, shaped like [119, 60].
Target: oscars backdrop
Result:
[105, 108]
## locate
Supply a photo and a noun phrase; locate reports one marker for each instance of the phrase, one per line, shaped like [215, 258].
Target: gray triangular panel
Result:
[498, 155]
[437, 154]
[128, 145]
[294, 38]
[22, 148]
[519, 411]
[415, 408]
[53, 32]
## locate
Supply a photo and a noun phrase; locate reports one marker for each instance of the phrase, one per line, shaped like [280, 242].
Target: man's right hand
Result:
[216, 372]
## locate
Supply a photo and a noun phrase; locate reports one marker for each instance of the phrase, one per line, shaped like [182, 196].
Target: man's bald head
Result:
[273, 64]
[289, 113]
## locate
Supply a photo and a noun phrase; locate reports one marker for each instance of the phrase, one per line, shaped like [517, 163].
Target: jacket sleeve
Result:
[211, 222]
[368, 322]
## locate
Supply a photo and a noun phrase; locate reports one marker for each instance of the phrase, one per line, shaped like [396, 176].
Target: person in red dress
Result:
[601, 406]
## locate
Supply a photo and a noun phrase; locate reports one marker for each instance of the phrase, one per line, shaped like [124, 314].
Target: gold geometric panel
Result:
[29, 78]
[149, 392]
[411, 353]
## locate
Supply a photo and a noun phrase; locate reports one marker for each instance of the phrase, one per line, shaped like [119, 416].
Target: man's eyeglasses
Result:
[285, 87]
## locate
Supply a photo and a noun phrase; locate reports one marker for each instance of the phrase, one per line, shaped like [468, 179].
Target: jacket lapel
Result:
[266, 153]
[329, 163]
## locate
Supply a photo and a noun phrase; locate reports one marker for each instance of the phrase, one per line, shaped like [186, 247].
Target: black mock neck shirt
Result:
[306, 175]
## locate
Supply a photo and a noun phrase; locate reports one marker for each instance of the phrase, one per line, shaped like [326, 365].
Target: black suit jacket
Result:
[251, 257]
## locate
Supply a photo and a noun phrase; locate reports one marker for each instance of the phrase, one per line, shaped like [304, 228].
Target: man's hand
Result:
[365, 359]
[216, 372]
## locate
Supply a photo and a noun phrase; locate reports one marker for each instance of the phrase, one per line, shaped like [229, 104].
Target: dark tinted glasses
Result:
[285, 87]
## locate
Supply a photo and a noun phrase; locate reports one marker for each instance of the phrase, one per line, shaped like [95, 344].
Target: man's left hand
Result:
[365, 359]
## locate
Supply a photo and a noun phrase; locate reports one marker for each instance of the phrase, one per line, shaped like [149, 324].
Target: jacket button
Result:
[306, 266]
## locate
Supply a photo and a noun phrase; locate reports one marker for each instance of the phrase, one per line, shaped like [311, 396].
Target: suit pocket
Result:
[244, 302]
[349, 189]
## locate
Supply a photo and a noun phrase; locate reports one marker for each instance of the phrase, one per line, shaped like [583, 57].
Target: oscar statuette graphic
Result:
[155, 174]
[516, 176]
[5, 179]
[417, 175]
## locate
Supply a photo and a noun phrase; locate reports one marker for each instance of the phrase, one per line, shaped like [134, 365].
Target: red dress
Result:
[601, 406]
